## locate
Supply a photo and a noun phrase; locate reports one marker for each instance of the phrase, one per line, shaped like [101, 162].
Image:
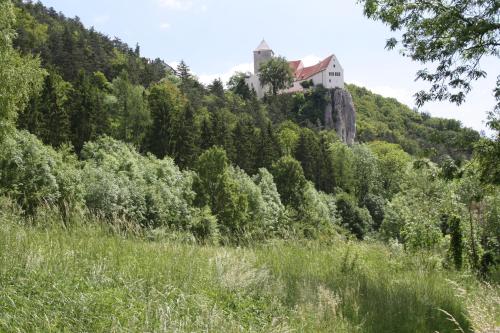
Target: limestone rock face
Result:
[340, 115]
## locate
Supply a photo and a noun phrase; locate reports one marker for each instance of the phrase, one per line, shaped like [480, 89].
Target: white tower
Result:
[261, 54]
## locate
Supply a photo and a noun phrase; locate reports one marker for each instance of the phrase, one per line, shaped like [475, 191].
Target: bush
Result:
[356, 220]
[204, 227]
[120, 183]
[275, 218]
[317, 212]
[34, 174]
[290, 180]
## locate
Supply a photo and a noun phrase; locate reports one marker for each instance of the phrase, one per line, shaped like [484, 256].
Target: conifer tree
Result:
[187, 137]
[325, 165]
[308, 153]
[206, 135]
[85, 110]
[54, 108]
[244, 146]
[164, 101]
[222, 135]
[217, 88]
[268, 149]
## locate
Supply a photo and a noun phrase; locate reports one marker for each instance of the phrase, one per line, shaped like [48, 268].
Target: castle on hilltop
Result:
[327, 72]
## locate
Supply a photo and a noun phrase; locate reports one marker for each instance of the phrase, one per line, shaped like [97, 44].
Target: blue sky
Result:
[216, 37]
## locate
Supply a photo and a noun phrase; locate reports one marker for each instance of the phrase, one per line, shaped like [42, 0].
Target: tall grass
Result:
[86, 278]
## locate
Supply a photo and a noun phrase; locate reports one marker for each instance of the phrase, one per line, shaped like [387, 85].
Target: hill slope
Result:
[65, 45]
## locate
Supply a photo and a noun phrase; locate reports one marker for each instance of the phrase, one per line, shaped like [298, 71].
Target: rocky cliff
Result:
[340, 115]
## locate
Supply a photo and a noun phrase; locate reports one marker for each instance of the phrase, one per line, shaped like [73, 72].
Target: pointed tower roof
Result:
[263, 46]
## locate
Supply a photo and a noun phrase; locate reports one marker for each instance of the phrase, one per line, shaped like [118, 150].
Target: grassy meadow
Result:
[89, 278]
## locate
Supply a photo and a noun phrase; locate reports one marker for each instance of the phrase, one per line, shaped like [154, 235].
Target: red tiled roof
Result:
[294, 65]
[303, 73]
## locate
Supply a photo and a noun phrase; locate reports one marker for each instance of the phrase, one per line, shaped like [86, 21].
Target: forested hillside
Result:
[135, 198]
[82, 61]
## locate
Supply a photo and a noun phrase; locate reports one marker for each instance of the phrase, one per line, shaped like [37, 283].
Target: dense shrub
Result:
[245, 208]
[34, 174]
[355, 219]
[121, 183]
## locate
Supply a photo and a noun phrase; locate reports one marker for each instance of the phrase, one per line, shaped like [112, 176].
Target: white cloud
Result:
[225, 76]
[176, 4]
[165, 26]
[311, 59]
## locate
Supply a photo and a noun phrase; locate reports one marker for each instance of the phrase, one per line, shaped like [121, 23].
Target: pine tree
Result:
[217, 88]
[244, 146]
[325, 166]
[268, 149]
[84, 110]
[187, 137]
[183, 71]
[222, 135]
[308, 153]
[206, 135]
[54, 107]
[31, 118]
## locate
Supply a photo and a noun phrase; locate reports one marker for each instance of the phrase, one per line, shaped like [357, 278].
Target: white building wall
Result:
[331, 77]
[253, 82]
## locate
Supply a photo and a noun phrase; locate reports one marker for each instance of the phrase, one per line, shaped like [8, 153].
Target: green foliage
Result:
[100, 91]
[454, 34]
[165, 101]
[35, 175]
[355, 219]
[204, 227]
[308, 154]
[288, 136]
[276, 73]
[121, 184]
[89, 117]
[488, 150]
[185, 133]
[238, 85]
[49, 111]
[20, 76]
[366, 172]
[342, 159]
[131, 117]
[274, 211]
[413, 216]
[385, 119]
[90, 278]
[245, 145]
[245, 208]
[312, 109]
[456, 242]
[67, 46]
[392, 163]
[376, 206]
[290, 180]
[316, 213]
